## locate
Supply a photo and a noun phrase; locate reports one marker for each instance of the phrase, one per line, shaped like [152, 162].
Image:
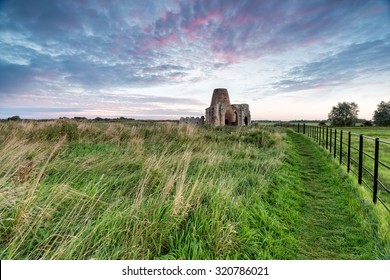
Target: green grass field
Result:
[370, 133]
[380, 132]
[132, 190]
[369, 148]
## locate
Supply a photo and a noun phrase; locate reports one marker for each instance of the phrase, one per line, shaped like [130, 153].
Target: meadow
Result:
[136, 190]
[369, 136]
[383, 133]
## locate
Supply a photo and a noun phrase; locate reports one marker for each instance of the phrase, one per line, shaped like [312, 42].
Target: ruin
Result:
[191, 120]
[221, 112]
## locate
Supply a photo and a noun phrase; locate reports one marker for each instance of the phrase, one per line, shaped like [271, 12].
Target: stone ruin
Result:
[221, 112]
[191, 120]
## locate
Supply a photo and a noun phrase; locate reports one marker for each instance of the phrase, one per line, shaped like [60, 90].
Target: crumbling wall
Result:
[243, 114]
[191, 120]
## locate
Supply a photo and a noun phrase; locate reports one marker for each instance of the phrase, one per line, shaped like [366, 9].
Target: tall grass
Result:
[132, 190]
[80, 190]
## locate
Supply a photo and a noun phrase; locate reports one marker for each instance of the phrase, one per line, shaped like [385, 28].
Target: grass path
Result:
[333, 222]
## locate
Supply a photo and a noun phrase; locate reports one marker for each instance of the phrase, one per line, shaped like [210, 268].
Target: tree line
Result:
[346, 114]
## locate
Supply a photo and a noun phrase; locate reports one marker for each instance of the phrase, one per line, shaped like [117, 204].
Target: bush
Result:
[14, 118]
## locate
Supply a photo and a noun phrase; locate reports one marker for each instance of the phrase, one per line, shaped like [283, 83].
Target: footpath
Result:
[333, 223]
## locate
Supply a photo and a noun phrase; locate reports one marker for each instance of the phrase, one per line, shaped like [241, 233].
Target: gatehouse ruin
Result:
[221, 112]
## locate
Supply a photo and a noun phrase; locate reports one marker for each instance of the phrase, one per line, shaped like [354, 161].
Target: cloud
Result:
[92, 44]
[146, 99]
[367, 59]
[102, 43]
[42, 109]
[52, 47]
[233, 30]
[33, 112]
[14, 77]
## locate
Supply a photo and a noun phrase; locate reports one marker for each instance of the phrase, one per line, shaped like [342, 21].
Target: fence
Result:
[367, 157]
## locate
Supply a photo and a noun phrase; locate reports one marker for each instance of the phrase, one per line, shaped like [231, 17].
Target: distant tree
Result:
[344, 114]
[322, 123]
[382, 114]
[14, 118]
[124, 118]
[367, 123]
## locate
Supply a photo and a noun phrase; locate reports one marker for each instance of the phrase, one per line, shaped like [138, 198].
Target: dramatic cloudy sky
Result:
[152, 59]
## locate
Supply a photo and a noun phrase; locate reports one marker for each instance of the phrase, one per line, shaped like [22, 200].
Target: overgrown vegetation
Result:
[80, 190]
[98, 190]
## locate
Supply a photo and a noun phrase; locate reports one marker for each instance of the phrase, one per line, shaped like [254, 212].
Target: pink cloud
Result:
[242, 19]
[227, 56]
[169, 39]
[202, 28]
[153, 42]
[214, 16]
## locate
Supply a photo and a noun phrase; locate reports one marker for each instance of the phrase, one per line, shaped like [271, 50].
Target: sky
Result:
[287, 59]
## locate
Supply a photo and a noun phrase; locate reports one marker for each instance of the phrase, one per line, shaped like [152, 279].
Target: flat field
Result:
[373, 131]
[136, 190]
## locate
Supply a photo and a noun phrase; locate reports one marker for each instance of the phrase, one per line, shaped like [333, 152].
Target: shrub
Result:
[14, 118]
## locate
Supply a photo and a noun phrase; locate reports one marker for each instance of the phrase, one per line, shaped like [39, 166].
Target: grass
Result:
[79, 190]
[370, 133]
[335, 224]
[373, 131]
[135, 190]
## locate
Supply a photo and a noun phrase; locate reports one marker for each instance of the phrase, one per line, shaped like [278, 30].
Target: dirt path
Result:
[333, 222]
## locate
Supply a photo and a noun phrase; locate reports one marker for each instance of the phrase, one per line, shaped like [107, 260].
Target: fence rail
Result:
[366, 157]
